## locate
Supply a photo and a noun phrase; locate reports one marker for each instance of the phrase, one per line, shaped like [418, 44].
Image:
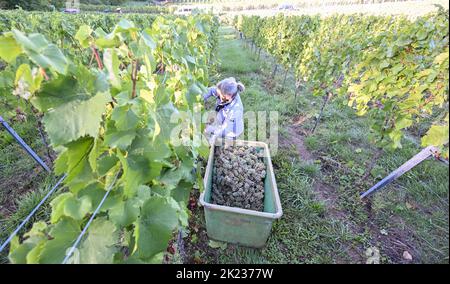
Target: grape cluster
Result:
[238, 178]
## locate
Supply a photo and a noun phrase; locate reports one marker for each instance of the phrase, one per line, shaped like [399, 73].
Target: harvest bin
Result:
[241, 226]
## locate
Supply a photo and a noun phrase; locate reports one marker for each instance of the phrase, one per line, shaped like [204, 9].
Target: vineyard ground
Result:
[320, 177]
[23, 183]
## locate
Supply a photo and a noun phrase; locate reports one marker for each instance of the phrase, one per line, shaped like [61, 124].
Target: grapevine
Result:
[112, 120]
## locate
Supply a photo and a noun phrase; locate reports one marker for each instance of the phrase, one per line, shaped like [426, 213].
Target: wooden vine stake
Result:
[326, 98]
[274, 70]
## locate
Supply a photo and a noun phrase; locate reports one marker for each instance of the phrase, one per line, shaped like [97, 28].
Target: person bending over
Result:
[229, 121]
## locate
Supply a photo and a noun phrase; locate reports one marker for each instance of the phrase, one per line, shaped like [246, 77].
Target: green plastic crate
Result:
[242, 226]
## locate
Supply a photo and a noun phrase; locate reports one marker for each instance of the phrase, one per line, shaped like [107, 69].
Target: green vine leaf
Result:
[41, 52]
[155, 226]
[99, 246]
[63, 235]
[9, 48]
[82, 118]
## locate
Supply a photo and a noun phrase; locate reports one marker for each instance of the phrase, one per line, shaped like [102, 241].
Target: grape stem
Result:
[134, 77]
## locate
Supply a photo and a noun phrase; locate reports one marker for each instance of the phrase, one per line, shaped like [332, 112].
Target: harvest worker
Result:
[229, 122]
